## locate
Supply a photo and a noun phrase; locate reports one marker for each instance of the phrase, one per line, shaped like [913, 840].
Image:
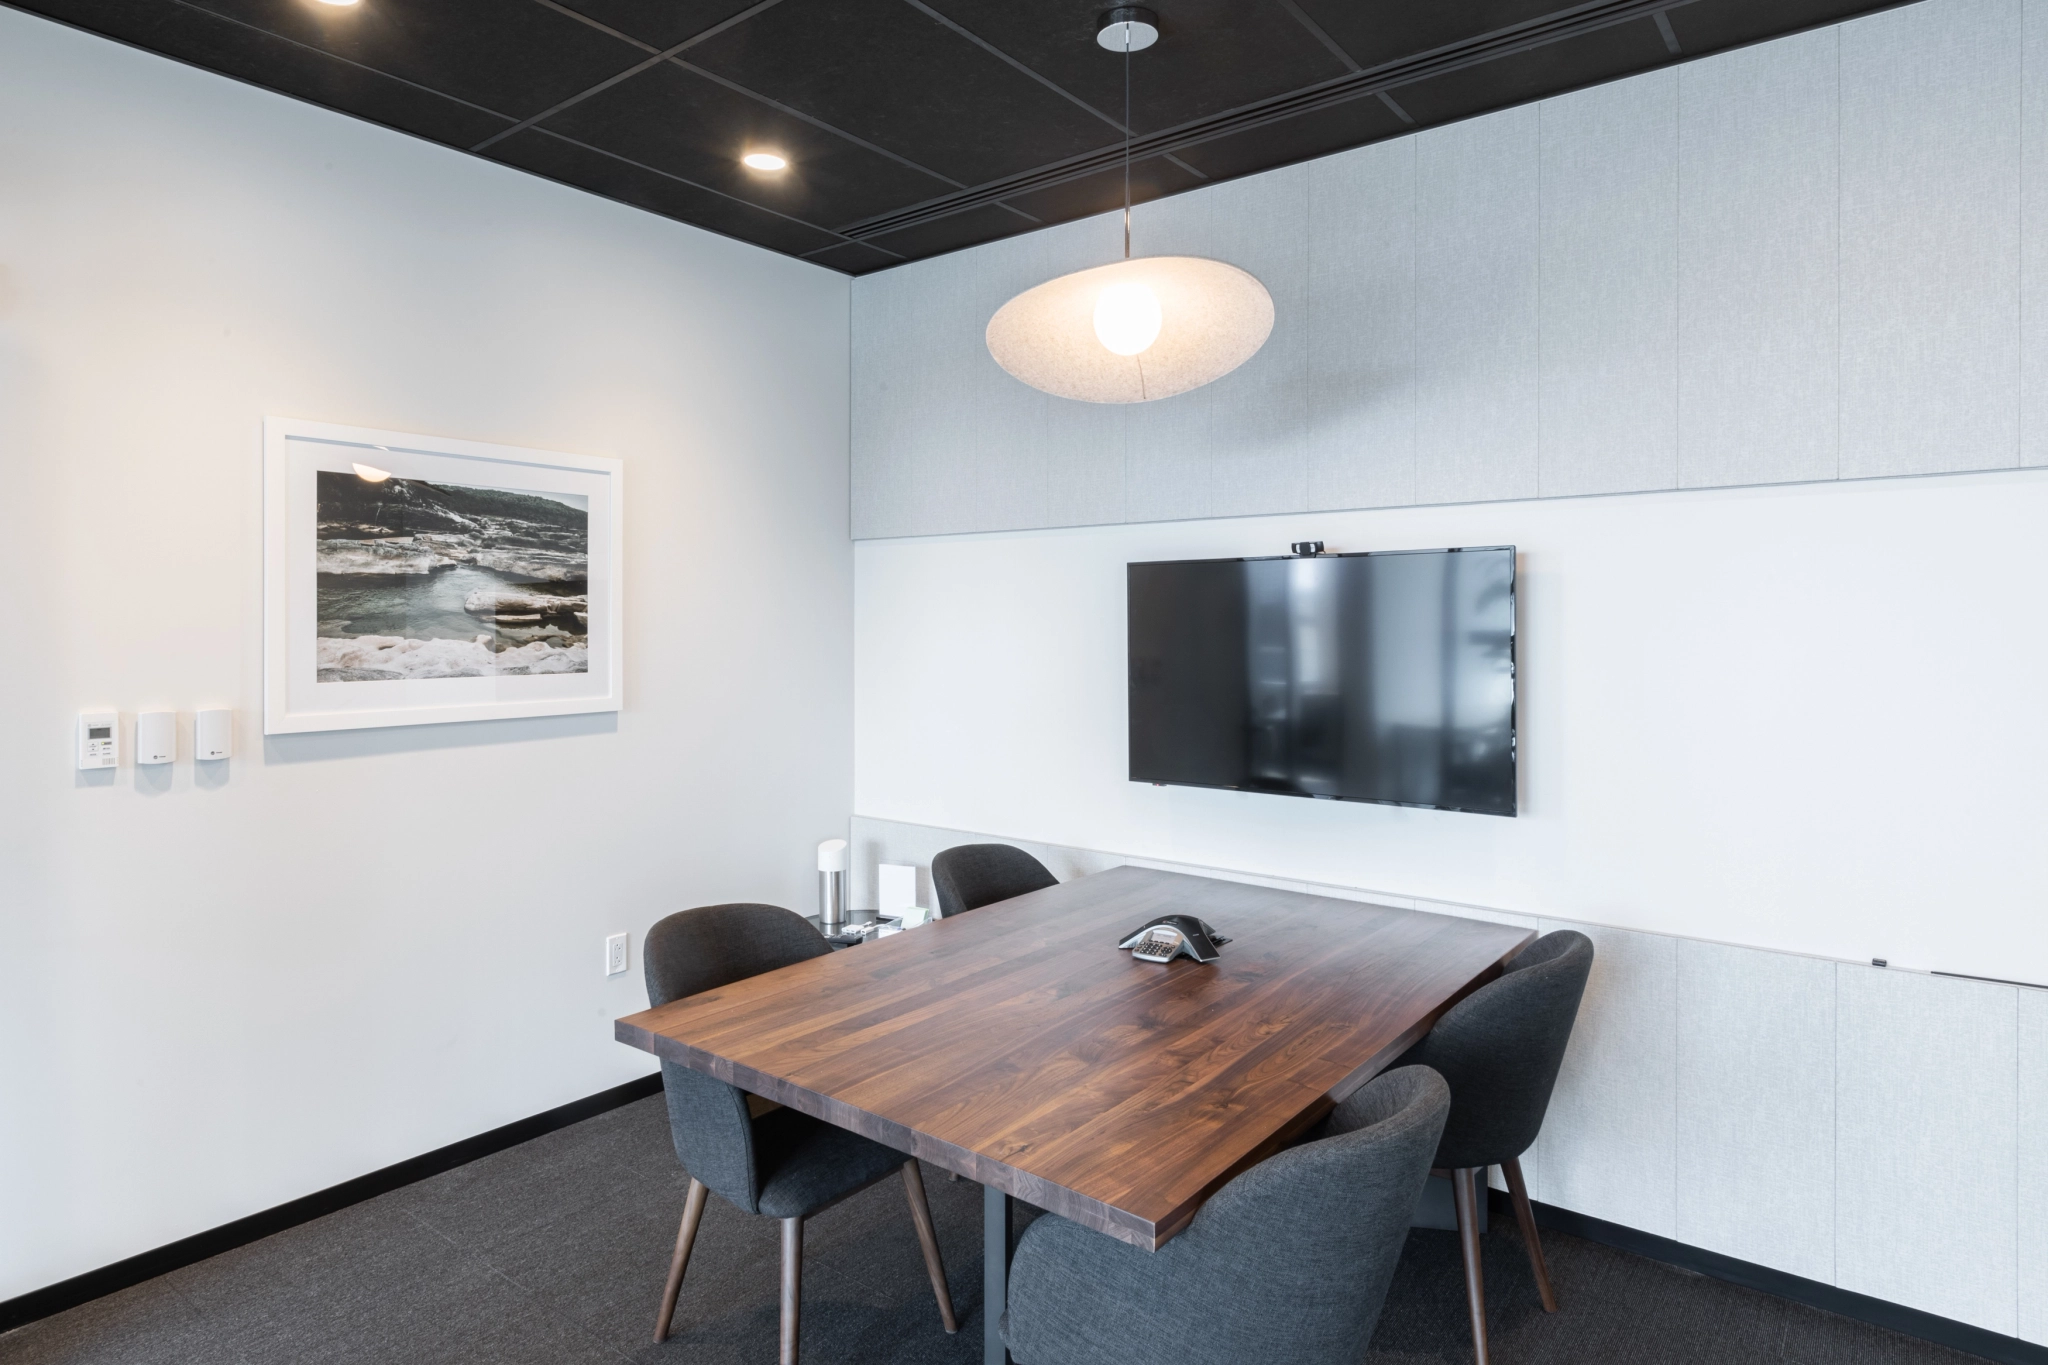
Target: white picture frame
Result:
[318, 677]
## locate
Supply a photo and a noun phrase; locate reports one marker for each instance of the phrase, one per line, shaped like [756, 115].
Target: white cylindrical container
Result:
[832, 885]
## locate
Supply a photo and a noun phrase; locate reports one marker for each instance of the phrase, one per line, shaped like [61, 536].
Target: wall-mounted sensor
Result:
[156, 737]
[214, 735]
[1307, 547]
[99, 739]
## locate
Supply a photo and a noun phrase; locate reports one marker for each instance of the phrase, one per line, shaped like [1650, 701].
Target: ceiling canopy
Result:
[914, 127]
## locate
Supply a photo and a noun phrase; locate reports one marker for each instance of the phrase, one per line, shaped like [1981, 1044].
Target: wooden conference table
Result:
[1018, 1047]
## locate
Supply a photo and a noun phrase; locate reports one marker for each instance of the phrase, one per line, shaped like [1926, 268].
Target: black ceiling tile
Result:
[1709, 27]
[854, 258]
[1618, 50]
[512, 56]
[968, 228]
[1318, 133]
[679, 122]
[228, 48]
[902, 80]
[1378, 32]
[658, 23]
[551, 156]
[1151, 179]
[1212, 55]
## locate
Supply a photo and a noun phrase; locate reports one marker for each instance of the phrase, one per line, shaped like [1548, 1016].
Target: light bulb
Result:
[370, 473]
[1127, 318]
[763, 161]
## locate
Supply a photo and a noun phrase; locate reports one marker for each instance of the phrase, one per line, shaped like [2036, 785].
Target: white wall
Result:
[1759, 729]
[1801, 718]
[217, 995]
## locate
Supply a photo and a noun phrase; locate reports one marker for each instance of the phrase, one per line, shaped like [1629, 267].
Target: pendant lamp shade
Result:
[1074, 336]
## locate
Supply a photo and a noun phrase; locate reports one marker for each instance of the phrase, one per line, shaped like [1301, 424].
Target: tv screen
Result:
[1385, 677]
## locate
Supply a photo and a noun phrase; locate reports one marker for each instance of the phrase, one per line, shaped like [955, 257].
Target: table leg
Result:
[995, 1273]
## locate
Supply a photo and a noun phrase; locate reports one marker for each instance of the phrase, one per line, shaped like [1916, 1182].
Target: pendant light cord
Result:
[1127, 139]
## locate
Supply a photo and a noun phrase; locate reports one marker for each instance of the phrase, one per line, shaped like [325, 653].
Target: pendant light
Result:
[1143, 328]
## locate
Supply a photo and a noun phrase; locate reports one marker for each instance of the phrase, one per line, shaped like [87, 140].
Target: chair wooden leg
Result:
[928, 1238]
[686, 1237]
[792, 1284]
[1526, 1217]
[1464, 1190]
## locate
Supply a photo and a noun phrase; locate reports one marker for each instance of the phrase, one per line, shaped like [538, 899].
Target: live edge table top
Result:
[1019, 1047]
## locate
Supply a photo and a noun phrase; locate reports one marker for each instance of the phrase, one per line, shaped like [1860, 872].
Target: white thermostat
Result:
[99, 739]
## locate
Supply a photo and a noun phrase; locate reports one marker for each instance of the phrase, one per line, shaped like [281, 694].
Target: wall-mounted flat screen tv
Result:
[1386, 677]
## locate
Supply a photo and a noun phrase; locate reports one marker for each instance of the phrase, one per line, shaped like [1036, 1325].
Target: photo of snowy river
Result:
[429, 580]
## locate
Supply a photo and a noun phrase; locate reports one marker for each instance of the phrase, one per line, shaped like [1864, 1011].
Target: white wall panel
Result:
[1259, 451]
[1926, 1103]
[2034, 234]
[1756, 1106]
[1609, 298]
[1608, 1146]
[1759, 196]
[2031, 1190]
[1476, 309]
[1931, 238]
[1361, 326]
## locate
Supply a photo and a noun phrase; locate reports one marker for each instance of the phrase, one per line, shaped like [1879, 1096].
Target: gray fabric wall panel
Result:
[914, 411]
[1009, 419]
[1609, 298]
[1476, 309]
[1756, 1106]
[1758, 263]
[2034, 235]
[1258, 445]
[2032, 1127]
[1168, 453]
[1609, 1145]
[1085, 458]
[1927, 1172]
[1930, 238]
[1168, 470]
[1084, 441]
[1361, 325]
[1801, 260]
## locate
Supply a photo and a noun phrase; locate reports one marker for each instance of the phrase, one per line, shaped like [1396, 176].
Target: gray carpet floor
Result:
[554, 1252]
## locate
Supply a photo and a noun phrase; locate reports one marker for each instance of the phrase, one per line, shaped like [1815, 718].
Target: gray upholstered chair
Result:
[760, 1157]
[1286, 1264]
[973, 875]
[1500, 1049]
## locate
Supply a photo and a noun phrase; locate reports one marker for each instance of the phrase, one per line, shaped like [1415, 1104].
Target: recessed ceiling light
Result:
[338, 4]
[756, 161]
[370, 473]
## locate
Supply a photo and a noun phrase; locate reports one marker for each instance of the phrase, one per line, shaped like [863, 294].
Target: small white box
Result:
[156, 737]
[99, 739]
[214, 735]
[895, 887]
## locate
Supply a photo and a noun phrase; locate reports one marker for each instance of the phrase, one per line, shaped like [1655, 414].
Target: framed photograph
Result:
[409, 580]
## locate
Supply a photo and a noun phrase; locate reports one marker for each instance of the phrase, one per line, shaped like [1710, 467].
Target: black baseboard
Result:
[1959, 1336]
[41, 1303]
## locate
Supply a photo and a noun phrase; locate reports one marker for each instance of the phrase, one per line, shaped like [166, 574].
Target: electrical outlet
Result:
[615, 954]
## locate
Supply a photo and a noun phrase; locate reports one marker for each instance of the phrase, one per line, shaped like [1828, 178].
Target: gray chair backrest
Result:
[700, 950]
[1500, 1049]
[973, 875]
[1288, 1264]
